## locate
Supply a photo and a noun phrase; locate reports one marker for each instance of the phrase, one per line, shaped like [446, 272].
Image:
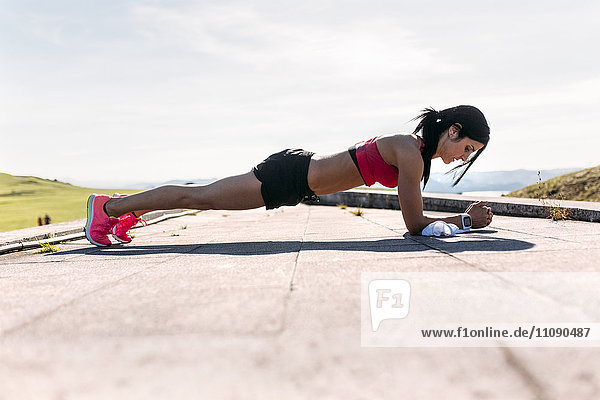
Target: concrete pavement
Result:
[256, 304]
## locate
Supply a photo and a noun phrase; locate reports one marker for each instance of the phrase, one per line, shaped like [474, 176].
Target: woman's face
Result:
[450, 148]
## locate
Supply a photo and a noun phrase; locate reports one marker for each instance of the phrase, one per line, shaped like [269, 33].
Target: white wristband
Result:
[467, 222]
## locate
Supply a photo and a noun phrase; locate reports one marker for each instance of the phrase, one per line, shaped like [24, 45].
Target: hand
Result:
[481, 214]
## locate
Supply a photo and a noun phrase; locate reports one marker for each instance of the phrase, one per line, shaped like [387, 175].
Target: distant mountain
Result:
[500, 181]
[497, 181]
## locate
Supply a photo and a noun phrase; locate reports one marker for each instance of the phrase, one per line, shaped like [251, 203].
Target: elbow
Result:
[415, 230]
[416, 227]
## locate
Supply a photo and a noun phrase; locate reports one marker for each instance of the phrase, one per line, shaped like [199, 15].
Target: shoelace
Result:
[136, 219]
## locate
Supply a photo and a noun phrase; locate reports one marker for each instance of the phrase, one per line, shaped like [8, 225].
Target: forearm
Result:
[416, 220]
[453, 219]
[416, 225]
[480, 216]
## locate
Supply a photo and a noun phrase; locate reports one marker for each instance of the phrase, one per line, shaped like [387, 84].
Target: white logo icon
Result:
[389, 299]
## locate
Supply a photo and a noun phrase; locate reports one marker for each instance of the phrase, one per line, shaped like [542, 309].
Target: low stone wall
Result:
[509, 206]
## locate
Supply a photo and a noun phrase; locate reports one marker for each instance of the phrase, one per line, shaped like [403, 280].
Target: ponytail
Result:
[429, 119]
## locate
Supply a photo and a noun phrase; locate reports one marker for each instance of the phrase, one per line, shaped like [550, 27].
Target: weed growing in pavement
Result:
[558, 213]
[183, 227]
[48, 247]
[342, 206]
[358, 212]
[555, 211]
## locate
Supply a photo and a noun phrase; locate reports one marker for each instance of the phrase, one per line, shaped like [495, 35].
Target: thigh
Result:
[240, 192]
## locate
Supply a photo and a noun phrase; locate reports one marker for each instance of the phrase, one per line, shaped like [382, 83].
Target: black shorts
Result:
[284, 178]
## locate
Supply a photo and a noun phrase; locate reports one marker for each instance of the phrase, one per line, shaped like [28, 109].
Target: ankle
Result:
[108, 208]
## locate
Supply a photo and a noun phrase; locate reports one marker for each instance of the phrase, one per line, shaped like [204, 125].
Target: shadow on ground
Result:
[399, 245]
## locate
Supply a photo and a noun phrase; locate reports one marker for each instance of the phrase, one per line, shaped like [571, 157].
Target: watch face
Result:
[467, 221]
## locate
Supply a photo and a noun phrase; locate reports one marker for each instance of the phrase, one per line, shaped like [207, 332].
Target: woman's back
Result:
[338, 172]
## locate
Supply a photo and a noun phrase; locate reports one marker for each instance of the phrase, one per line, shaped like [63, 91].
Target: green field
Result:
[25, 198]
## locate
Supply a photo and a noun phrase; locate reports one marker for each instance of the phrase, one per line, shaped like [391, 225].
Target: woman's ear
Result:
[453, 130]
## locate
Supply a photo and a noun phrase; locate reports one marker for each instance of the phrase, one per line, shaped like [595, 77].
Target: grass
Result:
[48, 247]
[555, 211]
[540, 192]
[358, 212]
[581, 185]
[25, 198]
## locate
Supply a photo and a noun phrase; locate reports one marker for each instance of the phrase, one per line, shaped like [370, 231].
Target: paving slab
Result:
[256, 304]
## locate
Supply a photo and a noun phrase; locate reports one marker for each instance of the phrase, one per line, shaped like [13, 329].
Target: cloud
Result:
[372, 48]
[227, 82]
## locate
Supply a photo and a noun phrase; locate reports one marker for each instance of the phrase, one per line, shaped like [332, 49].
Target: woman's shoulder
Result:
[399, 143]
[402, 151]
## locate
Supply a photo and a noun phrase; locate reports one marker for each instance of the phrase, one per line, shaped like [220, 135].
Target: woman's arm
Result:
[410, 170]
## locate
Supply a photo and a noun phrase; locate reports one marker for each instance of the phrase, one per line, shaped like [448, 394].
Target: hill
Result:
[25, 198]
[582, 185]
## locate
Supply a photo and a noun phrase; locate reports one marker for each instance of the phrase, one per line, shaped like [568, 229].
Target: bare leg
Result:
[139, 213]
[240, 192]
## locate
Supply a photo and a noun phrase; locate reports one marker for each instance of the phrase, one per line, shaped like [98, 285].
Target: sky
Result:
[105, 93]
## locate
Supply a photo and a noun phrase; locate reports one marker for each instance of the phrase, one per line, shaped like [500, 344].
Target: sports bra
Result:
[371, 166]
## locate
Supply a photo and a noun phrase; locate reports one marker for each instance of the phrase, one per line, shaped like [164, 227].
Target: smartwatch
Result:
[466, 221]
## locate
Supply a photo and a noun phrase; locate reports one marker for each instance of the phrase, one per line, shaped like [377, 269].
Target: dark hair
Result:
[432, 123]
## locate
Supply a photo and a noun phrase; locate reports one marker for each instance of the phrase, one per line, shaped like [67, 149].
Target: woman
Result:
[288, 177]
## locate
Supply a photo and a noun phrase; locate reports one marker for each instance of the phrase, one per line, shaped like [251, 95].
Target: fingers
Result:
[476, 204]
[480, 211]
[490, 215]
[480, 204]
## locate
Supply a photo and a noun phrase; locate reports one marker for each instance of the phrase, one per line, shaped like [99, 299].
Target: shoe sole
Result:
[118, 239]
[90, 211]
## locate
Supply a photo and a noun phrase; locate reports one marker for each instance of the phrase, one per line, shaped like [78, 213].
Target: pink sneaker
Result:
[120, 231]
[98, 224]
